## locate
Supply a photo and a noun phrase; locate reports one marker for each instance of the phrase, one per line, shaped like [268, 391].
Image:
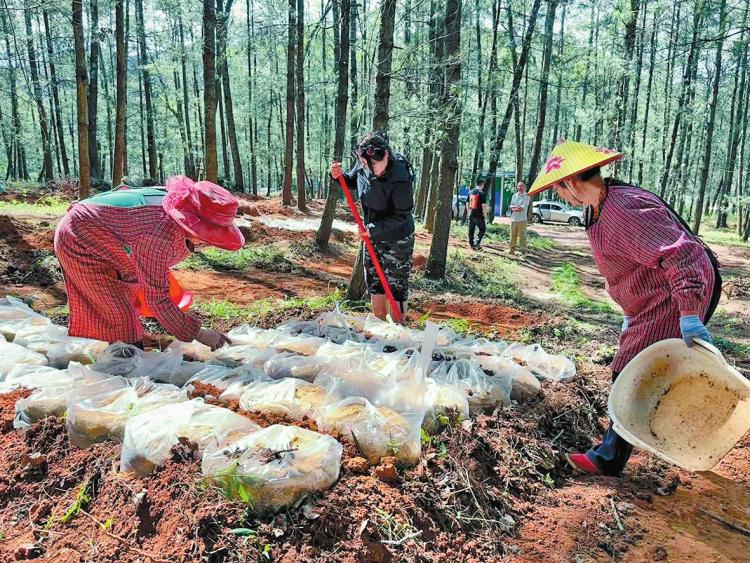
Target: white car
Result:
[556, 212]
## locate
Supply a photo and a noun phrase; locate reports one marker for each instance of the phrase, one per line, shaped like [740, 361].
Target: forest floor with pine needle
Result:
[493, 488]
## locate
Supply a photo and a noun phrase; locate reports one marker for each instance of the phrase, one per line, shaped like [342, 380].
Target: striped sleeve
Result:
[649, 235]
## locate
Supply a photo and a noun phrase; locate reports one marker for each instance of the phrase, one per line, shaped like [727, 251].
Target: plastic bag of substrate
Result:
[127, 360]
[274, 467]
[244, 354]
[524, 384]
[292, 327]
[59, 348]
[99, 411]
[482, 391]
[375, 431]
[12, 355]
[441, 401]
[399, 385]
[16, 315]
[375, 328]
[302, 344]
[149, 437]
[191, 351]
[223, 379]
[337, 353]
[25, 376]
[52, 400]
[260, 338]
[293, 365]
[339, 319]
[290, 397]
[540, 363]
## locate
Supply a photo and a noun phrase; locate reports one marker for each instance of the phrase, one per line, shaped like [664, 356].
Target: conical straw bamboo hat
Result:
[569, 158]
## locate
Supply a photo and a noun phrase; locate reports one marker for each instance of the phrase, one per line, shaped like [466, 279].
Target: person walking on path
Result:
[519, 208]
[476, 203]
[116, 243]
[384, 183]
[665, 278]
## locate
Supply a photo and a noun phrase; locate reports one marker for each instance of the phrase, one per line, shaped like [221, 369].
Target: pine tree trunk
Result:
[56, 96]
[478, 161]
[543, 81]
[18, 168]
[385, 60]
[225, 173]
[252, 120]
[300, 89]
[502, 131]
[558, 102]
[734, 134]
[322, 237]
[451, 104]
[711, 119]
[286, 188]
[81, 101]
[94, 55]
[190, 169]
[354, 99]
[223, 24]
[210, 158]
[153, 171]
[118, 160]
[686, 85]
[644, 132]
[47, 172]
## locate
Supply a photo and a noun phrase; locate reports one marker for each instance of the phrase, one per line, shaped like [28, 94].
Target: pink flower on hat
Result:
[553, 163]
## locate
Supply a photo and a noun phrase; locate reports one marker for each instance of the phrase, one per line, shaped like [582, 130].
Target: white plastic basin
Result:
[686, 405]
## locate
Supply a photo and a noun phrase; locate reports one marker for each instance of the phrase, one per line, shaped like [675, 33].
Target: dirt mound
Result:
[26, 253]
[487, 316]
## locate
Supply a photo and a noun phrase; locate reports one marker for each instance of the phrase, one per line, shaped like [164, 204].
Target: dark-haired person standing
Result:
[384, 183]
[662, 275]
[476, 203]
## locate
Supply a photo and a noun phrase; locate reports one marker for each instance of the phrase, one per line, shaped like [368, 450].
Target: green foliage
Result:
[475, 275]
[225, 310]
[567, 282]
[270, 258]
[501, 233]
[732, 347]
[725, 237]
[233, 485]
[83, 498]
[46, 206]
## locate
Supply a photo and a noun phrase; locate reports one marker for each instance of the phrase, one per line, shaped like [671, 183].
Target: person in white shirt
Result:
[519, 207]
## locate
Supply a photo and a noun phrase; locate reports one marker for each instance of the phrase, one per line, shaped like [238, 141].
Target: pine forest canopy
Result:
[238, 89]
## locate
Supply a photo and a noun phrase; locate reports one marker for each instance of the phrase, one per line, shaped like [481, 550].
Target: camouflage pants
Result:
[396, 258]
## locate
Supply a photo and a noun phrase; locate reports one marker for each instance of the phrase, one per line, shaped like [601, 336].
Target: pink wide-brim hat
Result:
[205, 210]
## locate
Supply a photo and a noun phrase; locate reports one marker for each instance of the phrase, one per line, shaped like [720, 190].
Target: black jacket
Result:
[387, 200]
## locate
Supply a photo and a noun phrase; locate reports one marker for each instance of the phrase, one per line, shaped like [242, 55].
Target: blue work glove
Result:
[625, 323]
[692, 327]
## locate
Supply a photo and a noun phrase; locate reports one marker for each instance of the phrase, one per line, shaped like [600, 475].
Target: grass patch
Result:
[45, 206]
[461, 326]
[727, 346]
[567, 283]
[217, 313]
[725, 237]
[270, 258]
[478, 276]
[501, 233]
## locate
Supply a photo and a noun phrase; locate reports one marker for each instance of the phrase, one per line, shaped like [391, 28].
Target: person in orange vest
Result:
[476, 203]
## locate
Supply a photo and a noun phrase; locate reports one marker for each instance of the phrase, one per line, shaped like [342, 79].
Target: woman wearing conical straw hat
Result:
[664, 277]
